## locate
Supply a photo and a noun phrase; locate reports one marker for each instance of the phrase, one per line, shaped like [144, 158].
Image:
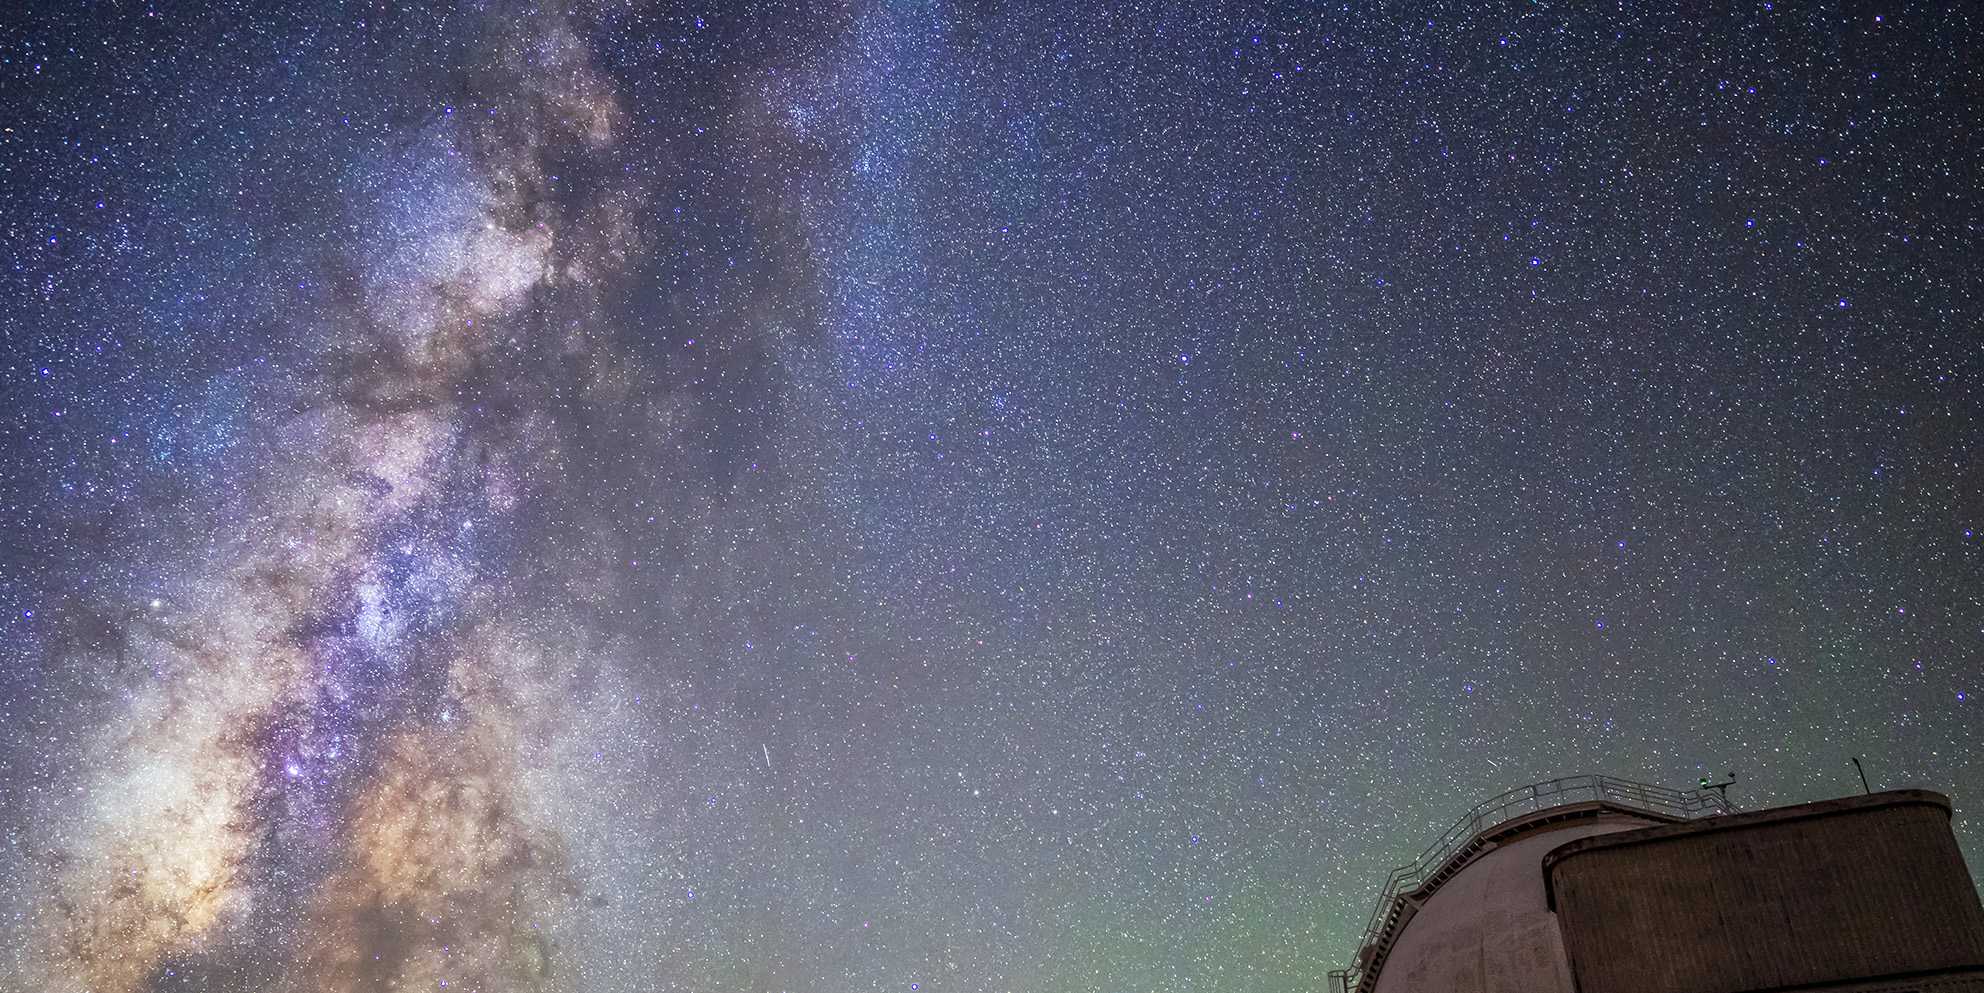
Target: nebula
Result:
[326, 742]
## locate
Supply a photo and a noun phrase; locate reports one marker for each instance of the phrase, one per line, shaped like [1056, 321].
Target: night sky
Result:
[947, 498]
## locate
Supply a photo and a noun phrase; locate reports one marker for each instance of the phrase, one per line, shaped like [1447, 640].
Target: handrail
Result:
[1659, 800]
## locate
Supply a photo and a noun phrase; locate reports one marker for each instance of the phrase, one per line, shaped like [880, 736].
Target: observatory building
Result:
[1599, 885]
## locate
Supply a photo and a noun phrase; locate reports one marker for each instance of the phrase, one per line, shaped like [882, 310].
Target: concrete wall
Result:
[1488, 929]
[1848, 889]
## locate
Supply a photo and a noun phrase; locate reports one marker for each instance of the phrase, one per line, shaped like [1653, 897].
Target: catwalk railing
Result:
[1660, 800]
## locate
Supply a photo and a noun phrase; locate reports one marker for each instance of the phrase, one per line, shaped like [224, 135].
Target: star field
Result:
[946, 497]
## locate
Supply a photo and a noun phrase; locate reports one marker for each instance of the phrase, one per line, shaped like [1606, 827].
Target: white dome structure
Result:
[1471, 915]
[1597, 885]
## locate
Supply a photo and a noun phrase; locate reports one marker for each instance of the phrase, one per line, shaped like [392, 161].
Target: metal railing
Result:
[1660, 800]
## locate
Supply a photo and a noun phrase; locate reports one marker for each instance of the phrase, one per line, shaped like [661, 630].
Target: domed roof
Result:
[1471, 915]
[1488, 928]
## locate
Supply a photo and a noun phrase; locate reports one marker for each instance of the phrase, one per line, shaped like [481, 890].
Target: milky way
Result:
[911, 497]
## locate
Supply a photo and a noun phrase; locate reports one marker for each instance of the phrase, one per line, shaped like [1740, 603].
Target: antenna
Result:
[1862, 770]
[1721, 789]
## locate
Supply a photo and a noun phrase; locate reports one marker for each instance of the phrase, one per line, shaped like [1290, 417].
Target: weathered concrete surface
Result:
[1488, 929]
[1842, 890]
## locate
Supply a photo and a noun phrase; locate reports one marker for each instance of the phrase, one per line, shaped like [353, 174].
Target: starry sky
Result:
[912, 496]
